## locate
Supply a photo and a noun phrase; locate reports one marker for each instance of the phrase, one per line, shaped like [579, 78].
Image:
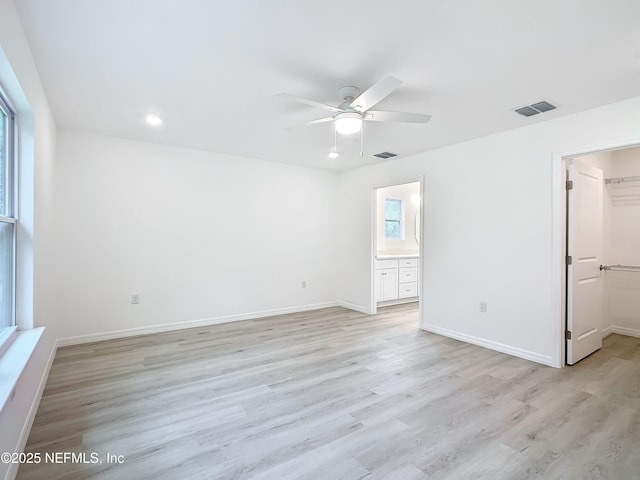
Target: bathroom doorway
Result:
[397, 235]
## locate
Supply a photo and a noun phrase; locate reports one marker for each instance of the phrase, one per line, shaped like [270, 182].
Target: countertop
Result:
[389, 256]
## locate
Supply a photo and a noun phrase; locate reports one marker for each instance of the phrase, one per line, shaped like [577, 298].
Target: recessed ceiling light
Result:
[153, 119]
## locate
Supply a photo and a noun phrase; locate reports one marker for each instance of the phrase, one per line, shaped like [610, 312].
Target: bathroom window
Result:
[393, 215]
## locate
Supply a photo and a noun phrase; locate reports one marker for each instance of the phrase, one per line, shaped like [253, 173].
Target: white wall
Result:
[623, 288]
[407, 193]
[36, 304]
[493, 222]
[197, 235]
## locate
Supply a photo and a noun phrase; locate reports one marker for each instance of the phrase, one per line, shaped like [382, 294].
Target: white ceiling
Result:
[211, 68]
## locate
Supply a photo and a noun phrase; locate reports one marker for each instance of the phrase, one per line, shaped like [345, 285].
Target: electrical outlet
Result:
[135, 299]
[303, 284]
[483, 307]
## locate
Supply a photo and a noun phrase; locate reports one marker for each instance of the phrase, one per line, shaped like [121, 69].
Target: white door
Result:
[584, 246]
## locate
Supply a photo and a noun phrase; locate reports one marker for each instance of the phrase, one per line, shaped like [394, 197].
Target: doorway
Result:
[602, 261]
[397, 237]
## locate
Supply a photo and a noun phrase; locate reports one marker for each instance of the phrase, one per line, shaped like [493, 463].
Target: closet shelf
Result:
[621, 268]
[624, 190]
[621, 180]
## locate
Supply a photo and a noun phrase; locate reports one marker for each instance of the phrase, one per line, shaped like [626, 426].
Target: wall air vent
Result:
[385, 155]
[535, 108]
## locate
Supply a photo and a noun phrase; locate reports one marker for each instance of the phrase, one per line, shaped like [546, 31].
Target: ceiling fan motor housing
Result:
[349, 94]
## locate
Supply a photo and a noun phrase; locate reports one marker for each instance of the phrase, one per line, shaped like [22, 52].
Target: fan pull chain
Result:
[362, 139]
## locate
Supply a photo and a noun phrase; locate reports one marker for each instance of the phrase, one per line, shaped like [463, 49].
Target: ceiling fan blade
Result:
[313, 103]
[403, 117]
[312, 122]
[320, 120]
[375, 93]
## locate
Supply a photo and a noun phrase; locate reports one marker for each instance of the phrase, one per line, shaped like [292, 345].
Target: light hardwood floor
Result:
[335, 394]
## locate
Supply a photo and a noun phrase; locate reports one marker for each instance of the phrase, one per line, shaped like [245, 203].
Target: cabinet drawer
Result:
[390, 263]
[408, 262]
[408, 274]
[407, 290]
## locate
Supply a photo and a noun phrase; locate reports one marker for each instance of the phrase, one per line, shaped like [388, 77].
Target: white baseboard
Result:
[399, 301]
[353, 306]
[607, 331]
[490, 344]
[205, 322]
[630, 332]
[31, 416]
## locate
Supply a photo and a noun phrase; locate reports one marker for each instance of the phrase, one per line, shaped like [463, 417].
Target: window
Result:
[393, 213]
[7, 216]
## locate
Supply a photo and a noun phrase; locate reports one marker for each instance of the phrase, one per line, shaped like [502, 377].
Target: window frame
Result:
[11, 205]
[400, 221]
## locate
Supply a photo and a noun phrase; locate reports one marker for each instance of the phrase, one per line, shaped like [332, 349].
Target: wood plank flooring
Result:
[334, 394]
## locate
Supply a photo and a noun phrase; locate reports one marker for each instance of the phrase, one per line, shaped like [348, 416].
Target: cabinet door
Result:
[390, 284]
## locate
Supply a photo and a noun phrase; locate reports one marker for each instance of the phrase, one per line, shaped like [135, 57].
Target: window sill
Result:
[7, 336]
[14, 360]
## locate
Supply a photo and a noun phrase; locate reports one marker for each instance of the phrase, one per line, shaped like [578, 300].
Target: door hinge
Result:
[569, 184]
[569, 259]
[567, 334]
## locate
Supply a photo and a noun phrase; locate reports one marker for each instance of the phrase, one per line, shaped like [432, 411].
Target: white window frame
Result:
[11, 217]
[401, 221]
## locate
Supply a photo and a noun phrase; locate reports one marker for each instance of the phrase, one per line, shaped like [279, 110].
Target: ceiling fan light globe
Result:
[348, 123]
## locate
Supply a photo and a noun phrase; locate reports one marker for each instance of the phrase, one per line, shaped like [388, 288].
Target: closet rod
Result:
[622, 179]
[621, 268]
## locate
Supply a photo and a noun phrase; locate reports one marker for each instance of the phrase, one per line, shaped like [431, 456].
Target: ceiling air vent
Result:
[527, 111]
[543, 106]
[535, 109]
[385, 155]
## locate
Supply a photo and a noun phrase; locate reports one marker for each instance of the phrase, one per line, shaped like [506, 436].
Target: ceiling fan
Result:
[356, 107]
